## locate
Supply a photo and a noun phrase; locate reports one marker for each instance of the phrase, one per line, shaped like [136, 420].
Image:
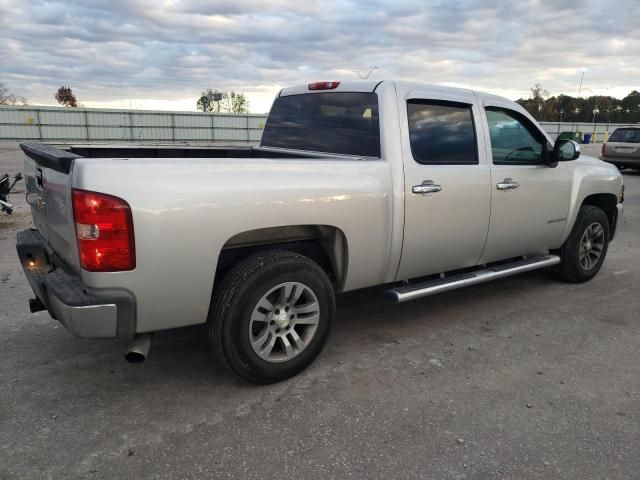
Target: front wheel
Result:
[583, 253]
[271, 316]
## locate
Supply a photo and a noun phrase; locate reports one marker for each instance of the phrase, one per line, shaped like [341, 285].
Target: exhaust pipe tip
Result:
[35, 305]
[139, 348]
[135, 357]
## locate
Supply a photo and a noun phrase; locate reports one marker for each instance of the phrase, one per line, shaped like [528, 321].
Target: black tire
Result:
[570, 269]
[238, 294]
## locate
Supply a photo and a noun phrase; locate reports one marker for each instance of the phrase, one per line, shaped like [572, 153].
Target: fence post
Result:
[173, 127]
[213, 128]
[39, 126]
[86, 123]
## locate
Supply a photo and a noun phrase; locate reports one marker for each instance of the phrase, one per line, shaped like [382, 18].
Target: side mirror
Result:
[564, 150]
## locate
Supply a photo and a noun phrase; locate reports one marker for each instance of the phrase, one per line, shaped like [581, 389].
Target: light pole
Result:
[617, 109]
[595, 112]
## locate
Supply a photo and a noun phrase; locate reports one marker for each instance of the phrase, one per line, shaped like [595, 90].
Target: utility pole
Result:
[580, 87]
[579, 92]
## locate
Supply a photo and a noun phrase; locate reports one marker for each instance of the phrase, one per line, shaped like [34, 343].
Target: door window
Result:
[442, 133]
[514, 140]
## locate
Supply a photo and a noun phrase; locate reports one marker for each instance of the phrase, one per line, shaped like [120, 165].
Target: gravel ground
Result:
[523, 378]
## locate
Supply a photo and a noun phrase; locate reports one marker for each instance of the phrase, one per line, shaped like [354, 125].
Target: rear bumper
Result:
[85, 313]
[622, 161]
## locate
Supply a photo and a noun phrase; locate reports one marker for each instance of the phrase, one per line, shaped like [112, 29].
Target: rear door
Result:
[447, 182]
[529, 199]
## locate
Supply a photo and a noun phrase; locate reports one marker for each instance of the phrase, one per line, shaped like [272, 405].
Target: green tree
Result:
[571, 109]
[630, 107]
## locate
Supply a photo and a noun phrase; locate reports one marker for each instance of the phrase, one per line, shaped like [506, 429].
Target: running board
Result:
[405, 293]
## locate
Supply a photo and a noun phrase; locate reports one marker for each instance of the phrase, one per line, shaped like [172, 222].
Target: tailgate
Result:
[48, 182]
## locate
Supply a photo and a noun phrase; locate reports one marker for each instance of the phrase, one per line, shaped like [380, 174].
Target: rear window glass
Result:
[442, 133]
[335, 122]
[626, 135]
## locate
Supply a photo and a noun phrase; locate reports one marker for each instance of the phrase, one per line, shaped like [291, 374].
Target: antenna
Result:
[364, 77]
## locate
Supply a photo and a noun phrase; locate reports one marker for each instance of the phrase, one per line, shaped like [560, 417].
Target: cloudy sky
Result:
[161, 54]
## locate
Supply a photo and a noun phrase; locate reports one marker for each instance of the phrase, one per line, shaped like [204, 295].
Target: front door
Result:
[529, 199]
[447, 184]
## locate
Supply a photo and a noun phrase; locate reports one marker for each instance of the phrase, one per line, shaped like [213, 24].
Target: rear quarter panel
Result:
[185, 210]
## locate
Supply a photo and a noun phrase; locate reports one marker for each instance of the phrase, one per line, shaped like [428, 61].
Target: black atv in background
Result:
[6, 185]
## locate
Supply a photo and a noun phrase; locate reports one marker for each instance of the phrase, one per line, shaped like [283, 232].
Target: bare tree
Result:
[237, 102]
[65, 97]
[8, 98]
[217, 101]
[209, 101]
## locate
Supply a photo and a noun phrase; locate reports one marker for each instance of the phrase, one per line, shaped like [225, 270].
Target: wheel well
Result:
[324, 244]
[607, 203]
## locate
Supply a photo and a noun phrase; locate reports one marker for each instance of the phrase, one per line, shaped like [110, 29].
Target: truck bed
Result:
[59, 158]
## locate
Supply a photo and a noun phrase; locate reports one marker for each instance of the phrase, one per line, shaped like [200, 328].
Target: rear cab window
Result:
[442, 133]
[625, 135]
[345, 123]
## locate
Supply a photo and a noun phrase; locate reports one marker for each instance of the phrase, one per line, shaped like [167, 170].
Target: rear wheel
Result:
[583, 253]
[271, 316]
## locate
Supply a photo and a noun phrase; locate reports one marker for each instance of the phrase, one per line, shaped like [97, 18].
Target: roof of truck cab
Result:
[344, 86]
[371, 85]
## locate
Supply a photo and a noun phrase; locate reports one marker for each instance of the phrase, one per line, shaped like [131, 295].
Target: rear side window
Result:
[626, 135]
[442, 133]
[335, 122]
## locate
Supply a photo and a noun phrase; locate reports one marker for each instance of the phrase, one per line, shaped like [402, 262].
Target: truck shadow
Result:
[182, 358]
[363, 323]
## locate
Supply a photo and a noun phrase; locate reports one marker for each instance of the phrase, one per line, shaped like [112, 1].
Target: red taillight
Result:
[323, 85]
[604, 145]
[104, 230]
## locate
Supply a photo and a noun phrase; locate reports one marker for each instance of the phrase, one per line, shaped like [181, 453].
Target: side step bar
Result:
[405, 293]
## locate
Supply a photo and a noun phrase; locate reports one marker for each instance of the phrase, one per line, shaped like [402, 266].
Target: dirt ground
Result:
[524, 378]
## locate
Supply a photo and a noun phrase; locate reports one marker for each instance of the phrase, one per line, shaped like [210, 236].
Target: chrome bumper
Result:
[83, 312]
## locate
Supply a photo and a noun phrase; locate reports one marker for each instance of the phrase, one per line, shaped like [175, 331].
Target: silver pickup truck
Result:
[418, 187]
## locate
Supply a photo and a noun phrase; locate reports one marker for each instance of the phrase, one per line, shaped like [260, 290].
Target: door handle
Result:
[507, 184]
[426, 188]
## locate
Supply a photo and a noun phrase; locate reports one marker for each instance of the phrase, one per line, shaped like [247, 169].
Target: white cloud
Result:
[165, 53]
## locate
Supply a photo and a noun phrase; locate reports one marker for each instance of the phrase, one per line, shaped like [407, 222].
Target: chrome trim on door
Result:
[507, 184]
[426, 188]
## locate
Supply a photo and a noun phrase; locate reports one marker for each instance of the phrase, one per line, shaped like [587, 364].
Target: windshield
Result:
[626, 135]
[335, 122]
